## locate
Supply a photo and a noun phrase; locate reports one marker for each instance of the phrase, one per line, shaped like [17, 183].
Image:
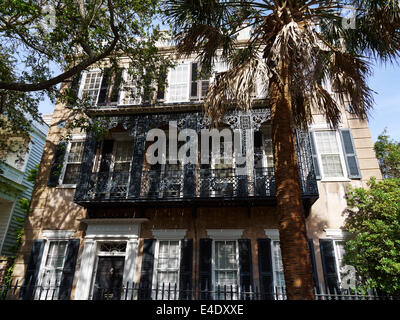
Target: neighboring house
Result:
[104, 217]
[14, 170]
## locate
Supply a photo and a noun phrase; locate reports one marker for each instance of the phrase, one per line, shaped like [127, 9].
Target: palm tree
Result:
[310, 58]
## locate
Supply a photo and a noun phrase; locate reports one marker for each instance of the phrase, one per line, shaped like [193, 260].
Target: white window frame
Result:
[273, 235]
[83, 80]
[225, 235]
[187, 82]
[25, 157]
[77, 138]
[123, 90]
[51, 236]
[166, 235]
[341, 157]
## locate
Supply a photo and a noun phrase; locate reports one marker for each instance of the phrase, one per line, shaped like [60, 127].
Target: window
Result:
[91, 86]
[339, 253]
[277, 266]
[18, 153]
[263, 153]
[178, 89]
[131, 94]
[73, 161]
[329, 154]
[226, 268]
[52, 271]
[167, 269]
[199, 83]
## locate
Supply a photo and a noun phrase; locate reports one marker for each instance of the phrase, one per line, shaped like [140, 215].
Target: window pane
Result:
[331, 165]
[279, 278]
[327, 142]
[71, 174]
[91, 86]
[76, 152]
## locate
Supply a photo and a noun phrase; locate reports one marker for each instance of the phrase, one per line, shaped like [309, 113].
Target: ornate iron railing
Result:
[171, 184]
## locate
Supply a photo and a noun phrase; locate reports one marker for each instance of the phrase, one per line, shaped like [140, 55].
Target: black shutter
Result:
[57, 164]
[194, 89]
[205, 258]
[28, 286]
[161, 83]
[329, 264]
[314, 156]
[313, 264]
[146, 274]
[114, 97]
[67, 276]
[258, 138]
[75, 83]
[186, 269]
[105, 84]
[265, 269]
[349, 150]
[246, 266]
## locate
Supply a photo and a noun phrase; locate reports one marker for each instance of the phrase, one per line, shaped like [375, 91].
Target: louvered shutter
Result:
[313, 264]
[161, 84]
[205, 276]
[67, 276]
[246, 266]
[57, 164]
[350, 156]
[194, 84]
[186, 269]
[314, 156]
[75, 83]
[115, 92]
[28, 286]
[265, 269]
[105, 84]
[329, 264]
[146, 275]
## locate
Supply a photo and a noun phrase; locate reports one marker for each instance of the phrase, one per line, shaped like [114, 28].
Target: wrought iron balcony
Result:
[175, 185]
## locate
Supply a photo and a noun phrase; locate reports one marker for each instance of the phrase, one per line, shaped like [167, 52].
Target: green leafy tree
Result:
[388, 153]
[373, 218]
[299, 48]
[44, 43]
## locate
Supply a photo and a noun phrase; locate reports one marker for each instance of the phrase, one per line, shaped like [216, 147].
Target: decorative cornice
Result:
[224, 234]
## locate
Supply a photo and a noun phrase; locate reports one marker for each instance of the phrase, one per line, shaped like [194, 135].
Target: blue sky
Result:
[385, 81]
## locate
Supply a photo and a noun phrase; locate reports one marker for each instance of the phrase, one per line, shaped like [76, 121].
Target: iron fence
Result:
[168, 291]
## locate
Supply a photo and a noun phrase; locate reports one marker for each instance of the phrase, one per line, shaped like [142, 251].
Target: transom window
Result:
[226, 266]
[167, 269]
[74, 159]
[52, 271]
[329, 152]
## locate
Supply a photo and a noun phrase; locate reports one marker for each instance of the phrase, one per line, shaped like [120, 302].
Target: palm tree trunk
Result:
[292, 225]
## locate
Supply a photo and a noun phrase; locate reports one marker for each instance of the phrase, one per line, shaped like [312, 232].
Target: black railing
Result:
[133, 291]
[169, 185]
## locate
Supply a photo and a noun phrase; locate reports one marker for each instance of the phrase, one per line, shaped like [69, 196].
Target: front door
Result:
[108, 283]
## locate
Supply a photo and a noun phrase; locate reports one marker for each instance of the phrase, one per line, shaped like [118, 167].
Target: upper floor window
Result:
[91, 86]
[73, 161]
[17, 155]
[330, 154]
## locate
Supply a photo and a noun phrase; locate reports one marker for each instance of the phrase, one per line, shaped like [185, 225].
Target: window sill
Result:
[66, 186]
[335, 180]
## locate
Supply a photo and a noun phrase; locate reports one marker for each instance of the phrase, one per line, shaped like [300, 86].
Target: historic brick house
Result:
[111, 225]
